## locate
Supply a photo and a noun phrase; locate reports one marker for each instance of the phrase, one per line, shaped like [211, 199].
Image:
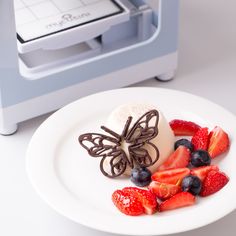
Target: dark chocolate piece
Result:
[138, 137]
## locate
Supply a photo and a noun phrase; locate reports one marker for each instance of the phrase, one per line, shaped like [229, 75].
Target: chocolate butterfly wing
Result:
[97, 145]
[114, 160]
[142, 151]
[143, 155]
[114, 164]
[144, 129]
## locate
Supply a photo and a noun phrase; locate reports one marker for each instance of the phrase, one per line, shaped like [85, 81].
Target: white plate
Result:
[70, 181]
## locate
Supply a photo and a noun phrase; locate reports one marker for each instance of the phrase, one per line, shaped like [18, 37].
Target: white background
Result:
[207, 67]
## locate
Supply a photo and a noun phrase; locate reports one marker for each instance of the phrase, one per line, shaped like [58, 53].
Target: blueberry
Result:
[184, 142]
[191, 184]
[200, 158]
[141, 176]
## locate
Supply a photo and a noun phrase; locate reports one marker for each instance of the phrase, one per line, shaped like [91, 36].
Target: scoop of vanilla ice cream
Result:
[164, 141]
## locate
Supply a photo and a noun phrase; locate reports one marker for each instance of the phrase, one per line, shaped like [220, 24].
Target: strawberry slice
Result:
[163, 190]
[200, 139]
[214, 181]
[182, 199]
[201, 172]
[147, 198]
[127, 203]
[183, 127]
[172, 176]
[178, 159]
[219, 142]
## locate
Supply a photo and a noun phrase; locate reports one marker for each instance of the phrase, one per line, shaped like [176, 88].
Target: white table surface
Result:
[207, 67]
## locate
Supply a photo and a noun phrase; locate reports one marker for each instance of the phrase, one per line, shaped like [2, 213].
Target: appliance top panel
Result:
[40, 18]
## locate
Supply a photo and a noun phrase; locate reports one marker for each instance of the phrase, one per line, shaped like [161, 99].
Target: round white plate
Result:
[70, 181]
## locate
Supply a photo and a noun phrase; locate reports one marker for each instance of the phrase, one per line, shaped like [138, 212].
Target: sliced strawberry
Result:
[201, 172]
[147, 198]
[200, 139]
[219, 142]
[214, 181]
[182, 199]
[127, 203]
[163, 190]
[178, 159]
[183, 127]
[172, 176]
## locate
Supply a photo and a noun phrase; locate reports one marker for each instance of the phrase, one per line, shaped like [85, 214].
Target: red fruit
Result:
[179, 200]
[184, 128]
[178, 159]
[219, 142]
[201, 172]
[147, 198]
[163, 190]
[172, 176]
[213, 182]
[127, 203]
[200, 139]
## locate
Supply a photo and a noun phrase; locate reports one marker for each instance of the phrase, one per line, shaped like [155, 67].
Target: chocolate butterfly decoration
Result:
[137, 138]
